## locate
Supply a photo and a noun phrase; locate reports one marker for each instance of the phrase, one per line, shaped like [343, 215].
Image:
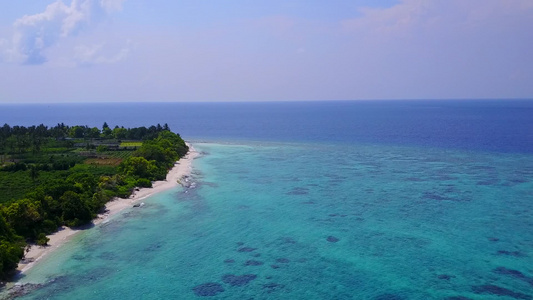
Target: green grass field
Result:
[118, 154]
[131, 144]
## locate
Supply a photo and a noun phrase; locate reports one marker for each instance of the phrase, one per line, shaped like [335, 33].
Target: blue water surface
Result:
[493, 125]
[340, 200]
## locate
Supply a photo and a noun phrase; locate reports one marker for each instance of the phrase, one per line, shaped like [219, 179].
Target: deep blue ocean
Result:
[314, 200]
[493, 125]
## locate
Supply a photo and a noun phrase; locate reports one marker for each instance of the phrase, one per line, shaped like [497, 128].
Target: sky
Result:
[275, 50]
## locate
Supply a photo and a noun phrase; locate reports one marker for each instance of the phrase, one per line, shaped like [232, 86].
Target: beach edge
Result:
[180, 170]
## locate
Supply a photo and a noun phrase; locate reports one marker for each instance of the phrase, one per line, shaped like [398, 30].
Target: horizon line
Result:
[271, 101]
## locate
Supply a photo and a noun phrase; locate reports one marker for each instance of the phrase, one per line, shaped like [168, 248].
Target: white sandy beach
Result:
[181, 169]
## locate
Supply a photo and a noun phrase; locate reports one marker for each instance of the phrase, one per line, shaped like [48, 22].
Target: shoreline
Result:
[181, 169]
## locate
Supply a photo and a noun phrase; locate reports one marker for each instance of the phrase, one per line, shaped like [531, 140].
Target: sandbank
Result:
[181, 169]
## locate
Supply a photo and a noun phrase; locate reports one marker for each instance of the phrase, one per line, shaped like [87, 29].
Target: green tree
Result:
[107, 133]
[42, 239]
[120, 133]
[75, 211]
[34, 173]
[140, 167]
[22, 216]
[94, 133]
[77, 132]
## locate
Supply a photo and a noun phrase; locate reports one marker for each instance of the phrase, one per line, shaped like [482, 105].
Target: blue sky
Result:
[139, 50]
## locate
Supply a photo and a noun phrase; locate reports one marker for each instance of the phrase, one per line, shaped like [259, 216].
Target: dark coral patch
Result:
[499, 291]
[272, 287]
[510, 253]
[389, 297]
[332, 239]
[253, 263]
[511, 272]
[435, 196]
[298, 191]
[247, 249]
[288, 240]
[413, 179]
[208, 289]
[488, 182]
[283, 260]
[445, 276]
[235, 280]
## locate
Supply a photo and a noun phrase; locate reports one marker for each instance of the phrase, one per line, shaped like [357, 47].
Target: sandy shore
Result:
[181, 169]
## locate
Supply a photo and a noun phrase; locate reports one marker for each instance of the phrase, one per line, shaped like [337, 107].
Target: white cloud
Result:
[453, 48]
[111, 5]
[97, 54]
[416, 16]
[33, 34]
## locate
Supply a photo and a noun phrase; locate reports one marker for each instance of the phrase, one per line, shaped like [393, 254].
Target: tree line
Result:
[75, 194]
[18, 139]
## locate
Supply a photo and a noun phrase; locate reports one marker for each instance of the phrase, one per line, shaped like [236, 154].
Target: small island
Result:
[65, 175]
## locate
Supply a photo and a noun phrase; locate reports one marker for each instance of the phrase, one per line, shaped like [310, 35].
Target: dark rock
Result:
[332, 239]
[235, 280]
[229, 261]
[253, 263]
[20, 290]
[208, 289]
[500, 291]
[445, 276]
[247, 249]
[283, 260]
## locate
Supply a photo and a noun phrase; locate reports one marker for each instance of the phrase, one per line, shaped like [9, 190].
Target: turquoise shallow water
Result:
[311, 221]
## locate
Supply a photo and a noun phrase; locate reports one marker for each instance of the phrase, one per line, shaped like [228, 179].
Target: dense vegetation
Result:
[50, 177]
